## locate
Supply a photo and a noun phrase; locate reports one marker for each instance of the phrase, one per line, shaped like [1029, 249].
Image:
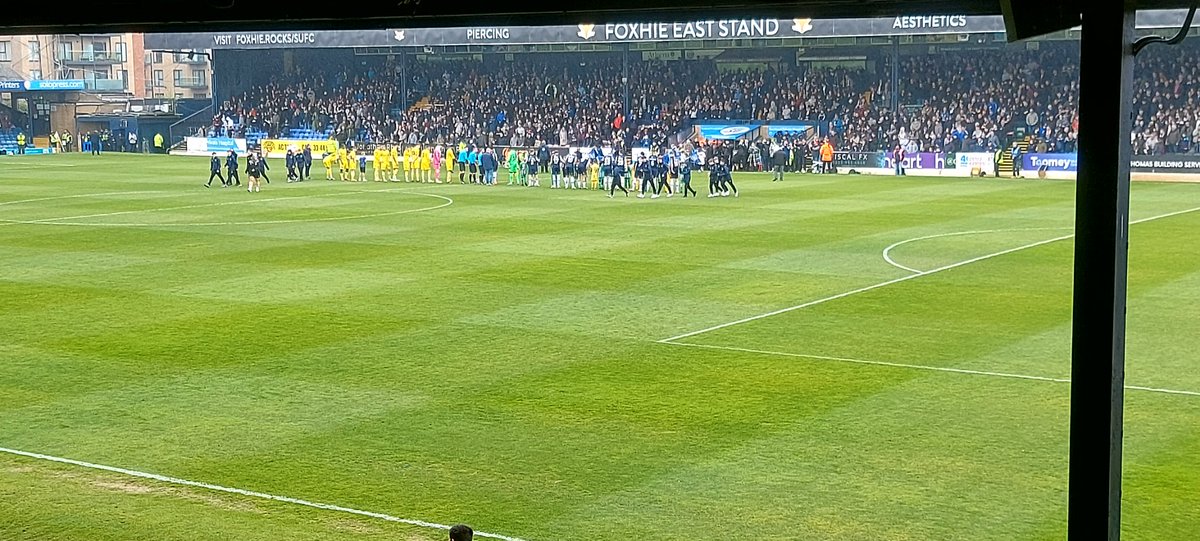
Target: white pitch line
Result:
[77, 196]
[61, 220]
[23, 165]
[904, 279]
[922, 367]
[887, 251]
[243, 492]
[864, 289]
[185, 207]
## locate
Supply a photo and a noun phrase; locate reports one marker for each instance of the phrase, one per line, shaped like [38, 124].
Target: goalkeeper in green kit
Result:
[512, 166]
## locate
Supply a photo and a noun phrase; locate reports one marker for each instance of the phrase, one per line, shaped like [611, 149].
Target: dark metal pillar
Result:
[625, 78]
[30, 118]
[895, 74]
[212, 83]
[404, 81]
[1101, 247]
[627, 140]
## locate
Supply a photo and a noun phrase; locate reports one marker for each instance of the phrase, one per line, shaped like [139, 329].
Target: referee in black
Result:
[779, 160]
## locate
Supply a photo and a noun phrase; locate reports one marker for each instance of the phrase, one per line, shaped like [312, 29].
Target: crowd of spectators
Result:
[6, 121]
[1166, 100]
[964, 100]
[344, 105]
[560, 102]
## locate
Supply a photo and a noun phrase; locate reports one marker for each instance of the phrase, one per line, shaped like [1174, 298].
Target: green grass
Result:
[494, 361]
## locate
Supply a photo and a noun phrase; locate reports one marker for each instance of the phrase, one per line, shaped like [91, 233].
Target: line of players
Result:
[669, 170]
[299, 167]
[387, 163]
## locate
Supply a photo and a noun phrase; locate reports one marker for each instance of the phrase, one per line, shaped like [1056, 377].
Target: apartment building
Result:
[107, 63]
[177, 75]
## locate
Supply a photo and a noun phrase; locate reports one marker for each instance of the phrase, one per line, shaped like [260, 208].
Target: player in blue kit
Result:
[606, 170]
[568, 170]
[214, 170]
[555, 170]
[618, 180]
[662, 169]
[685, 174]
[641, 171]
[231, 169]
[531, 168]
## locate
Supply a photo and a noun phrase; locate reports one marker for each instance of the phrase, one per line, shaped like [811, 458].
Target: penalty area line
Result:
[887, 257]
[916, 274]
[247, 493]
[863, 289]
[946, 369]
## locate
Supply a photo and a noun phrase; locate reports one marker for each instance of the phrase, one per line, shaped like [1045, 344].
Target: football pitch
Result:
[831, 358]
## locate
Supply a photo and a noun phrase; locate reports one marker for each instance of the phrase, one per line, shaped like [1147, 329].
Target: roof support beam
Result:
[1101, 249]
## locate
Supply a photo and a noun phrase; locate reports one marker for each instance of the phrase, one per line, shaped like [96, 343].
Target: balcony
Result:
[196, 60]
[104, 85]
[192, 82]
[90, 58]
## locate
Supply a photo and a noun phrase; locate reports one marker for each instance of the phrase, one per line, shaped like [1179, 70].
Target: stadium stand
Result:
[957, 100]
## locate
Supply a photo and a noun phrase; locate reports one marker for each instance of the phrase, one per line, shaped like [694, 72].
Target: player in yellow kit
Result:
[377, 163]
[328, 161]
[393, 155]
[343, 164]
[594, 173]
[352, 161]
[414, 163]
[426, 163]
[448, 161]
[381, 163]
[407, 164]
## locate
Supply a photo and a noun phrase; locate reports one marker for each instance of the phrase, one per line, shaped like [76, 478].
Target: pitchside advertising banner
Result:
[197, 146]
[1063, 163]
[1068, 163]
[920, 160]
[864, 160]
[725, 131]
[967, 161]
[616, 32]
[1166, 163]
[40, 85]
[799, 127]
[277, 148]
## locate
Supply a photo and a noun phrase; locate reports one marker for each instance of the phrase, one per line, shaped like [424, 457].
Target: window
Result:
[200, 95]
[158, 78]
[125, 75]
[157, 57]
[35, 51]
[35, 75]
[102, 74]
[97, 50]
[121, 52]
[159, 95]
[178, 76]
[4, 51]
[198, 77]
[64, 51]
